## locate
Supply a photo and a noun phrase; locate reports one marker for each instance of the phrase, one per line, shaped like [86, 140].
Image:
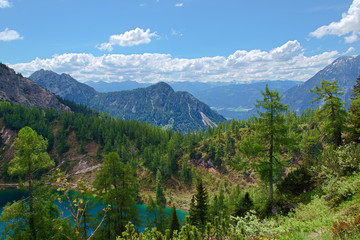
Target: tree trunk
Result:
[31, 198]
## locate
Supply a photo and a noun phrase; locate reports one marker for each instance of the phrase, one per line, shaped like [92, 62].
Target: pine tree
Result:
[30, 156]
[160, 197]
[353, 122]
[174, 221]
[199, 206]
[332, 111]
[117, 186]
[268, 136]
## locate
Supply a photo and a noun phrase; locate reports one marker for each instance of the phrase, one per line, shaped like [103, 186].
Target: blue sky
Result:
[178, 40]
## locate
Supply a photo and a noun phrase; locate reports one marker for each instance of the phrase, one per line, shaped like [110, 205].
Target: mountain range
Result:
[345, 70]
[17, 89]
[157, 104]
[237, 100]
[232, 100]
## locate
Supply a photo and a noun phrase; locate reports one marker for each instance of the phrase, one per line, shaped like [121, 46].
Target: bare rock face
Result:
[18, 89]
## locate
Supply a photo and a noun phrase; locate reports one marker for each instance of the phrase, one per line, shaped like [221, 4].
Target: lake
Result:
[14, 195]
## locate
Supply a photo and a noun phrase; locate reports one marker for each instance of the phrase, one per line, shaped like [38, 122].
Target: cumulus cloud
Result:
[179, 5]
[128, 39]
[9, 35]
[349, 23]
[286, 62]
[4, 4]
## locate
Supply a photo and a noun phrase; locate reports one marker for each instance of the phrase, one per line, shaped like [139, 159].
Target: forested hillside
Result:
[280, 175]
[158, 104]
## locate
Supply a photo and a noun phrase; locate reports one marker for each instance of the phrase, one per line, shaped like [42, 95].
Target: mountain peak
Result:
[162, 86]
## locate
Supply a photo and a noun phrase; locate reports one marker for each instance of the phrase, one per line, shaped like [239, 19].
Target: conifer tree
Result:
[354, 114]
[268, 136]
[30, 156]
[160, 197]
[117, 186]
[199, 206]
[174, 221]
[332, 111]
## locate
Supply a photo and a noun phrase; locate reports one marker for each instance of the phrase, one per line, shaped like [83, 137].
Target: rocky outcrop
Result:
[18, 89]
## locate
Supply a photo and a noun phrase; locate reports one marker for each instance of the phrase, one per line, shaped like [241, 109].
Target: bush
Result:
[296, 182]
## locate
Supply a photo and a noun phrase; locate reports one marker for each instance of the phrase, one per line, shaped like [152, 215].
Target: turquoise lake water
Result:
[14, 195]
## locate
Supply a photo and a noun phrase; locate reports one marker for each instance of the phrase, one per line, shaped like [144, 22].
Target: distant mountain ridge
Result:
[18, 89]
[232, 100]
[344, 69]
[158, 104]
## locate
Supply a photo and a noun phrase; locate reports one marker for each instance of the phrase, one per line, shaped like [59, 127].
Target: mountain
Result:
[237, 100]
[158, 104]
[344, 69]
[69, 88]
[116, 86]
[18, 89]
[232, 100]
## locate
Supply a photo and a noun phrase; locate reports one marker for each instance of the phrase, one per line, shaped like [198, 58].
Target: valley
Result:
[228, 164]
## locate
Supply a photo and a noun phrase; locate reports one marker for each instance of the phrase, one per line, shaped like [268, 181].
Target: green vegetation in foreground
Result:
[275, 176]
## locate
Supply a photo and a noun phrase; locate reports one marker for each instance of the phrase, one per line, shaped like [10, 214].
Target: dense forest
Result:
[277, 175]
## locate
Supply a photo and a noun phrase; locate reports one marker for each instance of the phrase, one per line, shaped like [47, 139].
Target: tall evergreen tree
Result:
[268, 135]
[174, 221]
[30, 156]
[160, 197]
[117, 186]
[332, 111]
[353, 122]
[199, 206]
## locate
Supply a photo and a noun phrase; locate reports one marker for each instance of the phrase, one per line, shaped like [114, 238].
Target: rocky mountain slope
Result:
[344, 69]
[158, 104]
[16, 88]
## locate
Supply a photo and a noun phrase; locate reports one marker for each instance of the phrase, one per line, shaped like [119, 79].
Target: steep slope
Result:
[158, 104]
[344, 69]
[15, 88]
[68, 89]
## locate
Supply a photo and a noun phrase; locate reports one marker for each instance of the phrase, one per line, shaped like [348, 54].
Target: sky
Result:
[178, 40]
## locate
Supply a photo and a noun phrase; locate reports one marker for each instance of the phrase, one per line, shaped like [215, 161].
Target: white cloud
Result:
[9, 35]
[349, 23]
[286, 62]
[4, 4]
[128, 39]
[351, 49]
[179, 5]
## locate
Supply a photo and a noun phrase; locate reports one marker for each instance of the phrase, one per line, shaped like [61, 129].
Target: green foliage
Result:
[47, 220]
[296, 182]
[268, 136]
[332, 112]
[117, 187]
[30, 156]
[160, 197]
[308, 218]
[245, 205]
[156, 216]
[174, 222]
[199, 208]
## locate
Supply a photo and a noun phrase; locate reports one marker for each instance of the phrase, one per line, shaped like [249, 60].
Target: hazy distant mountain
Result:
[18, 89]
[344, 69]
[236, 100]
[116, 86]
[158, 104]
